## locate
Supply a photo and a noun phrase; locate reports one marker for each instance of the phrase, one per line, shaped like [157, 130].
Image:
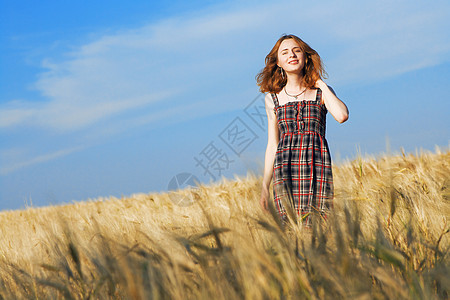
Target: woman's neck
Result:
[295, 82]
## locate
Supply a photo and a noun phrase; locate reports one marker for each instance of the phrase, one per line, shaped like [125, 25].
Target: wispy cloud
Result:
[179, 67]
[387, 39]
[9, 168]
[131, 70]
[144, 67]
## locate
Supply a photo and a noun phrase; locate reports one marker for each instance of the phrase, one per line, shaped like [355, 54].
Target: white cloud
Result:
[9, 168]
[382, 41]
[131, 70]
[15, 113]
[179, 67]
[144, 67]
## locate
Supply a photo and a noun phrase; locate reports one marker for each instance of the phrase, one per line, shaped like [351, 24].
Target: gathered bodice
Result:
[301, 117]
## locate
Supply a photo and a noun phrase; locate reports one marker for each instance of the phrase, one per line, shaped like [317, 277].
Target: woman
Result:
[297, 154]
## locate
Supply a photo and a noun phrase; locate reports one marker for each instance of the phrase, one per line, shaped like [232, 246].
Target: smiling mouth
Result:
[293, 62]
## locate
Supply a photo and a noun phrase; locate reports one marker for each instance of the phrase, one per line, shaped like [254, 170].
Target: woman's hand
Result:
[264, 200]
[320, 84]
[334, 105]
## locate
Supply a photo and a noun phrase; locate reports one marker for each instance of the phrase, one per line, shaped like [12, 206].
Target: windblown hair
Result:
[270, 78]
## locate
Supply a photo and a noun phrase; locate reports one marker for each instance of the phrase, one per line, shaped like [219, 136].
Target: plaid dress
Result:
[302, 176]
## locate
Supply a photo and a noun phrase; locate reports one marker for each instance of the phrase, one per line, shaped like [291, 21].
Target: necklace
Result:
[294, 96]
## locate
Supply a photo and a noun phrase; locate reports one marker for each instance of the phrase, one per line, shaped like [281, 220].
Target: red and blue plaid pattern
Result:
[302, 166]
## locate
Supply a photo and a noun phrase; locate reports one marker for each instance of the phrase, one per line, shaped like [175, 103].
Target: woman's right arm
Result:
[272, 144]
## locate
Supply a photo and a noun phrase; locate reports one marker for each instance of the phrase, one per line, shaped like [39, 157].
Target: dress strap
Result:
[275, 99]
[319, 95]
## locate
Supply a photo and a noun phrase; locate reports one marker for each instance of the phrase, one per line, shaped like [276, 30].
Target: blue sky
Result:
[109, 98]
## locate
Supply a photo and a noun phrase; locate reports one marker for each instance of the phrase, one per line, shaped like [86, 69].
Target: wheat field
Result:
[387, 238]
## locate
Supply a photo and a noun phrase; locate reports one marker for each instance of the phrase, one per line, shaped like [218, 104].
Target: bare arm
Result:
[334, 105]
[272, 144]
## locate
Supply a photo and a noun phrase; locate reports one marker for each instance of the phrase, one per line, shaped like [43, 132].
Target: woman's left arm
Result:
[335, 106]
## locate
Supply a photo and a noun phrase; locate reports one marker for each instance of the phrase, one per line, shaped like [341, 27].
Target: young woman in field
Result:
[297, 154]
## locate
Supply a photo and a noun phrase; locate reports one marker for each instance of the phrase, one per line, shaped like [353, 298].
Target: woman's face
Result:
[290, 56]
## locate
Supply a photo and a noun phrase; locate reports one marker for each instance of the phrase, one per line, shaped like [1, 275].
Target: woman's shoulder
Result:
[270, 98]
[269, 102]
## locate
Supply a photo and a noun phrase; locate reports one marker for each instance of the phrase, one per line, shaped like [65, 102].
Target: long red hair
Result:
[270, 78]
